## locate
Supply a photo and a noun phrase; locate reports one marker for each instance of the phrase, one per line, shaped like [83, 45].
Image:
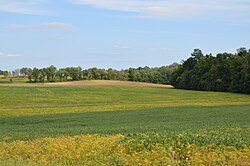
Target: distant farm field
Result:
[108, 123]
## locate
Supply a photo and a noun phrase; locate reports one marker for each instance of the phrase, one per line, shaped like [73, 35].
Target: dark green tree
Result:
[35, 74]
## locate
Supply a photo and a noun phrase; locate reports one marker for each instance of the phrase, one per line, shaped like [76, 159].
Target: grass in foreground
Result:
[217, 147]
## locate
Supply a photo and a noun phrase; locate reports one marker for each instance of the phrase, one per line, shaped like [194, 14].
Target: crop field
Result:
[122, 125]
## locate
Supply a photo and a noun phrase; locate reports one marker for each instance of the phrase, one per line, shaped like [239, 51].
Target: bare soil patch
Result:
[90, 83]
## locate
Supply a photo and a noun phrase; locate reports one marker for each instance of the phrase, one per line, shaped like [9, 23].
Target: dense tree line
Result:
[142, 74]
[225, 72]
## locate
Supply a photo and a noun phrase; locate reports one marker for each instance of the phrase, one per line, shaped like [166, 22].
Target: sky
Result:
[118, 33]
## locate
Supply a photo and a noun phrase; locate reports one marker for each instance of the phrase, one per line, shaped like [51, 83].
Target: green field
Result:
[180, 125]
[12, 80]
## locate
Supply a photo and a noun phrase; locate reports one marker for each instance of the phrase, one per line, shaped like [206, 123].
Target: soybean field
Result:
[125, 124]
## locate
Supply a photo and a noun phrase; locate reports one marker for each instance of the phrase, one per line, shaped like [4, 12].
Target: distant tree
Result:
[111, 74]
[42, 75]
[242, 51]
[182, 76]
[35, 74]
[122, 75]
[132, 74]
[5, 73]
[166, 73]
[247, 74]
[29, 74]
[17, 72]
[74, 72]
[237, 69]
[141, 74]
[103, 74]
[50, 73]
[25, 71]
[197, 54]
[62, 74]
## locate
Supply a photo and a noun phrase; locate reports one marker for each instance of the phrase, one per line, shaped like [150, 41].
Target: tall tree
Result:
[51, 73]
[35, 74]
[225, 72]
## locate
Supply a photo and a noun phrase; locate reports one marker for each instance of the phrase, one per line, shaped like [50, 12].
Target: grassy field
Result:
[122, 125]
[12, 80]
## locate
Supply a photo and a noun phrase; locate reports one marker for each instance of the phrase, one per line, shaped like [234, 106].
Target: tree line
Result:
[160, 75]
[225, 72]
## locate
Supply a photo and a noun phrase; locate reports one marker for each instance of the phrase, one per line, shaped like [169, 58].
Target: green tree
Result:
[25, 71]
[5, 73]
[35, 74]
[74, 72]
[42, 75]
[197, 54]
[225, 72]
[50, 73]
[62, 74]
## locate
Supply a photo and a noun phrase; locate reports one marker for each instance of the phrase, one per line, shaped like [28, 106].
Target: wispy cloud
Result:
[171, 8]
[6, 55]
[42, 26]
[31, 7]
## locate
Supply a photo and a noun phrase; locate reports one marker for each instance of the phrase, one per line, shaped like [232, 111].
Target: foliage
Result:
[4, 73]
[159, 75]
[225, 72]
[206, 147]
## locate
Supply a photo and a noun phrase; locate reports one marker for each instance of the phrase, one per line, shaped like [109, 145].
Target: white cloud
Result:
[171, 8]
[42, 26]
[6, 55]
[12, 55]
[31, 7]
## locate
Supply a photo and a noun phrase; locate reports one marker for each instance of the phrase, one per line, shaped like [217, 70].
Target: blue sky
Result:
[118, 33]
